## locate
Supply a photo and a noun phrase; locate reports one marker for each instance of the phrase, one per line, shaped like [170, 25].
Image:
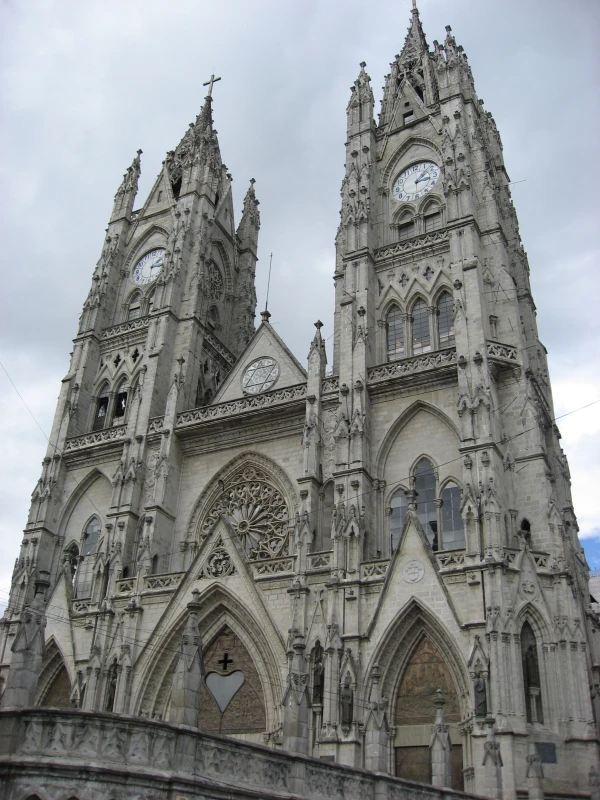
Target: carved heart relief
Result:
[224, 687]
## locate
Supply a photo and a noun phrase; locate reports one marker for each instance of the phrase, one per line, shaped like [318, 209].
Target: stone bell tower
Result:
[435, 320]
[171, 306]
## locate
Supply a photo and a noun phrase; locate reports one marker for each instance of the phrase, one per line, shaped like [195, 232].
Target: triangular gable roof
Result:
[265, 343]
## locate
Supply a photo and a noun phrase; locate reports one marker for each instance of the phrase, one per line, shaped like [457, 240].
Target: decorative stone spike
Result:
[295, 702]
[492, 761]
[28, 652]
[439, 745]
[376, 727]
[189, 672]
[535, 774]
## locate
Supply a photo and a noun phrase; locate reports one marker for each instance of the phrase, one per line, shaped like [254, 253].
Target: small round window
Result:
[260, 375]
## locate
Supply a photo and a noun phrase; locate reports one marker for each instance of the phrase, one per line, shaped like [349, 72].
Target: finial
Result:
[264, 315]
[363, 64]
[139, 152]
[318, 324]
[414, 4]
[252, 182]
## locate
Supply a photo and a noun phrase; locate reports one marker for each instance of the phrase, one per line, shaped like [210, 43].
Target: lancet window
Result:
[398, 509]
[323, 537]
[134, 309]
[421, 336]
[432, 219]
[101, 408]
[438, 513]
[445, 320]
[395, 334]
[531, 675]
[120, 403]
[406, 227]
[89, 546]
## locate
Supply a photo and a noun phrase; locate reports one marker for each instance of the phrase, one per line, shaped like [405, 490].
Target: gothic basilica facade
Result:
[246, 576]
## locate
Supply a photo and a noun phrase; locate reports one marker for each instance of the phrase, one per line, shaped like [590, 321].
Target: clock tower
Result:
[171, 305]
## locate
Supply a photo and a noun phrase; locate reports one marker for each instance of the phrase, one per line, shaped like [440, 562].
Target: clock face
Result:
[148, 267]
[260, 375]
[416, 181]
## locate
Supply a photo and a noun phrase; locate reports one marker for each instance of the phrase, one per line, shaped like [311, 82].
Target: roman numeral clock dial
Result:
[416, 181]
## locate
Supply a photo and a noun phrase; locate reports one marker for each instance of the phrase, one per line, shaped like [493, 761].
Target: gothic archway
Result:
[54, 684]
[226, 627]
[417, 656]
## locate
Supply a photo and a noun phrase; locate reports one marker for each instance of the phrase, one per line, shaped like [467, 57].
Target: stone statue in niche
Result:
[480, 692]
[347, 702]
[531, 667]
[318, 675]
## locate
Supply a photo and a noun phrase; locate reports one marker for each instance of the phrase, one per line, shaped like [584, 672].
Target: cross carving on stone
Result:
[225, 661]
[210, 83]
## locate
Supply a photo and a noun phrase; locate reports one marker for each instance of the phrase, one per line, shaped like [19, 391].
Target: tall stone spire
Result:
[411, 78]
[125, 196]
[195, 164]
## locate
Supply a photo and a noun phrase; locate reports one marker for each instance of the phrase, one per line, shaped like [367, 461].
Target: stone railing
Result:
[132, 326]
[241, 406]
[83, 606]
[163, 583]
[396, 249]
[92, 752]
[125, 585]
[274, 566]
[320, 560]
[331, 384]
[113, 434]
[410, 366]
[374, 569]
[502, 352]
[450, 558]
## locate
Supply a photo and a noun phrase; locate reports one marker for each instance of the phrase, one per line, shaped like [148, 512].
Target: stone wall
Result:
[65, 754]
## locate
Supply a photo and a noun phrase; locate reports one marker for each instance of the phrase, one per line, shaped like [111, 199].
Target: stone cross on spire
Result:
[210, 84]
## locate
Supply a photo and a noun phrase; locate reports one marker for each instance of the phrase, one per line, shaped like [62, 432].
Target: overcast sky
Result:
[85, 84]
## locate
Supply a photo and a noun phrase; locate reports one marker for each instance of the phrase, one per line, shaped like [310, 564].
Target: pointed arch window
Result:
[395, 334]
[421, 336]
[134, 310]
[453, 531]
[89, 546]
[445, 320]
[151, 301]
[120, 403]
[531, 675]
[101, 408]
[406, 227]
[398, 509]
[323, 537]
[213, 317]
[426, 506]
[432, 219]
[72, 559]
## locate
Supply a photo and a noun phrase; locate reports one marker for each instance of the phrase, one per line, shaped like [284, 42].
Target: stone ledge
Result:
[46, 748]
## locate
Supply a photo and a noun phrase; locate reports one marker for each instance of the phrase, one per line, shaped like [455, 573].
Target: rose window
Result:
[260, 375]
[256, 512]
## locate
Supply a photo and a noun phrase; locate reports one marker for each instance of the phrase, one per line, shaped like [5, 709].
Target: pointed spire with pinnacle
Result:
[361, 103]
[412, 68]
[196, 161]
[125, 196]
[250, 221]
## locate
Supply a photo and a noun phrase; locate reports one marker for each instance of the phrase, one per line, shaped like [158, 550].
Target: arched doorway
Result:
[426, 671]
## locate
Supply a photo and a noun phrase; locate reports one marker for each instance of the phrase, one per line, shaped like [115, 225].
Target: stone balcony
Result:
[77, 754]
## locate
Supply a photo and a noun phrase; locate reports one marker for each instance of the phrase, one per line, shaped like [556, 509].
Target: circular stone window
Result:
[260, 375]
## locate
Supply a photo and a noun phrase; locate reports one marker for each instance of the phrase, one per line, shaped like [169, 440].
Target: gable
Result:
[267, 345]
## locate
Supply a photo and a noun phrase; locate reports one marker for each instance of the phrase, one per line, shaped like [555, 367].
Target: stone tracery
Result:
[255, 510]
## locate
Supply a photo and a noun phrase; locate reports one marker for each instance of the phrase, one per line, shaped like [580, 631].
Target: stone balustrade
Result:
[66, 753]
